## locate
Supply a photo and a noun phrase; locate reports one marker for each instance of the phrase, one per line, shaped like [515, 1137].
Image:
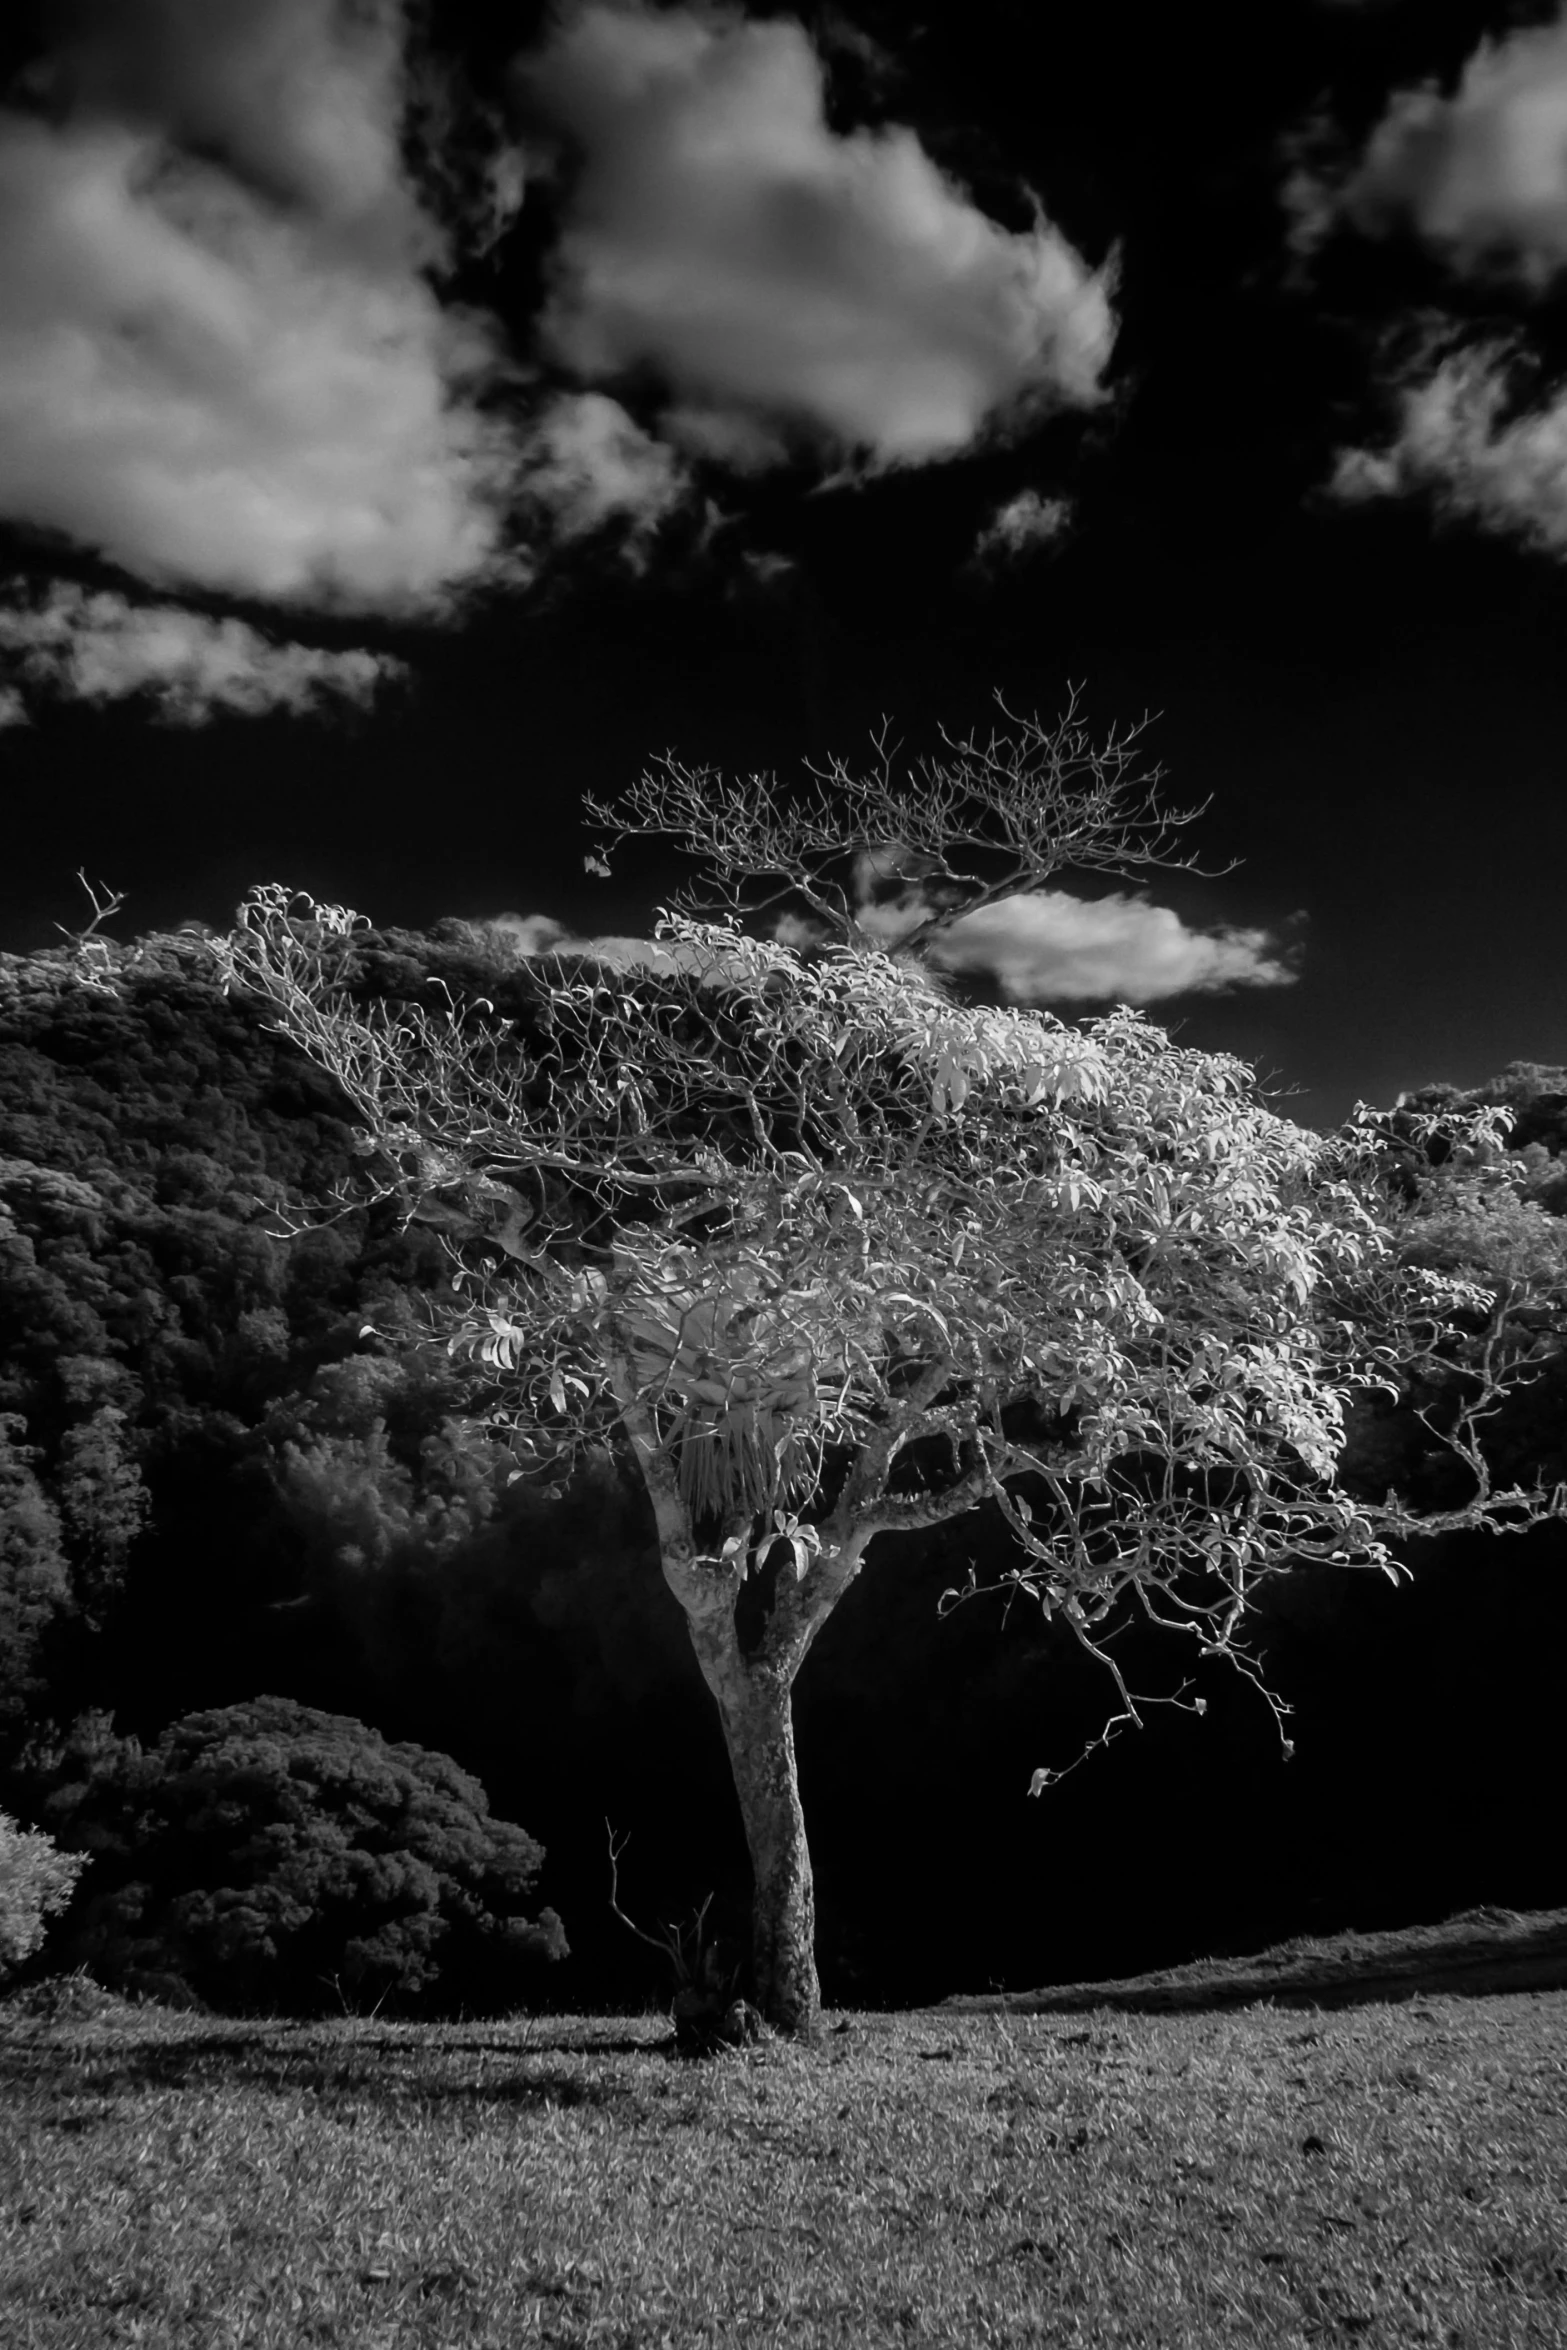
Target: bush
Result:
[269, 1857]
[36, 1881]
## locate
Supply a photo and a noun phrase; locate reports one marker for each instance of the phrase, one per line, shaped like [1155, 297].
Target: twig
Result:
[104, 907]
[672, 1944]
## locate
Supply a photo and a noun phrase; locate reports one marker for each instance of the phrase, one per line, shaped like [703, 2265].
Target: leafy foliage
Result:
[376, 1562]
[836, 1256]
[832, 1257]
[159, 1336]
[36, 1881]
[1477, 1400]
[274, 1856]
[34, 1578]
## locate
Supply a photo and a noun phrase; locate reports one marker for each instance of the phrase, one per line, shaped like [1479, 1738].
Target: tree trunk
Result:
[752, 1686]
[754, 1702]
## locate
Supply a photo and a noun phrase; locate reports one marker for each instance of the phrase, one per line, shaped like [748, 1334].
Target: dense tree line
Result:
[288, 1859]
[214, 1488]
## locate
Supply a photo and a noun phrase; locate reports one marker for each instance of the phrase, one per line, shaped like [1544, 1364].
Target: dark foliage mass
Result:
[212, 1483]
[277, 1858]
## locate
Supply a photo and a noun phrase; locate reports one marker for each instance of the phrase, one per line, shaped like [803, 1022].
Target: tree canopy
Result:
[833, 1255]
[375, 1562]
[277, 1856]
[807, 1232]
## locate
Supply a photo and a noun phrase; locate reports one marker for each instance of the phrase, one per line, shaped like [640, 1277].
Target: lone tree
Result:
[834, 1255]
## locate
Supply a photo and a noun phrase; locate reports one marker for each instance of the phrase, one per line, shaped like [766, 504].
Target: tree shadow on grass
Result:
[281, 2059]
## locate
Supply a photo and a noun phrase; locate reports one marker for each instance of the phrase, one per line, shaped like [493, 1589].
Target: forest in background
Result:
[214, 1487]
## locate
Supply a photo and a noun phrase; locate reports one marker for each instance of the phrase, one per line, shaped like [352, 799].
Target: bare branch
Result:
[93, 957]
[1001, 815]
[674, 1943]
[105, 903]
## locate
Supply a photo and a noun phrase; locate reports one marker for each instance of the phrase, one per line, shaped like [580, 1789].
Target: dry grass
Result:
[1383, 2174]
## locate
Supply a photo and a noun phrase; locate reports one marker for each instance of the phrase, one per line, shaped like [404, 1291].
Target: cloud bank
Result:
[227, 361]
[223, 362]
[776, 273]
[100, 648]
[230, 362]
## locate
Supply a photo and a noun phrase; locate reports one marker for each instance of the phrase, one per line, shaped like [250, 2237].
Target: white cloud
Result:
[589, 461]
[1482, 173]
[1482, 176]
[1023, 523]
[228, 364]
[1045, 946]
[99, 648]
[1455, 442]
[13, 710]
[772, 270]
[222, 360]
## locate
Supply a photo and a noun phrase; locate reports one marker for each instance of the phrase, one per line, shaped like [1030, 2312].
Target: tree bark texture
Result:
[754, 1703]
[752, 1685]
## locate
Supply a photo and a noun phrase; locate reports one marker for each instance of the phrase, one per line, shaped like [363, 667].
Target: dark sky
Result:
[411, 417]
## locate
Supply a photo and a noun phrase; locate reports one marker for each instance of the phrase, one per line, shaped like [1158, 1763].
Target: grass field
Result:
[1387, 2173]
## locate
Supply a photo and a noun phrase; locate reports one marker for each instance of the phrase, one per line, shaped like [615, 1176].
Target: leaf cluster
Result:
[36, 1881]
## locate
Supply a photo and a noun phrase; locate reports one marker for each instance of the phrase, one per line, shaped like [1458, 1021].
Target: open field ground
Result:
[1383, 2173]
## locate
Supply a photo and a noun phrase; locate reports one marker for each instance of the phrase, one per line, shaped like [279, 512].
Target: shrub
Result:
[270, 1857]
[36, 1881]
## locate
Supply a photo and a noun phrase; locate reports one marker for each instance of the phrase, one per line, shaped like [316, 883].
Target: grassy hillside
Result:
[1391, 2173]
[1481, 1951]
